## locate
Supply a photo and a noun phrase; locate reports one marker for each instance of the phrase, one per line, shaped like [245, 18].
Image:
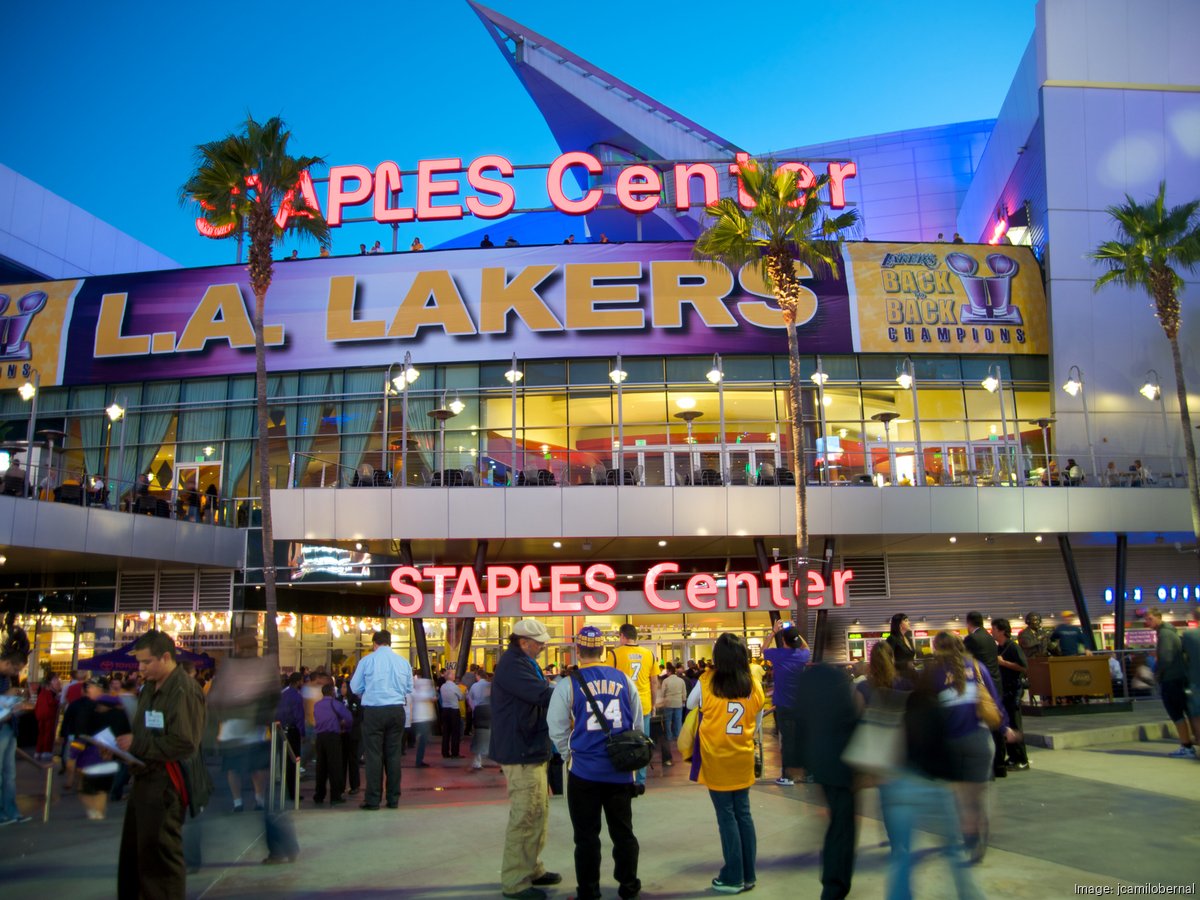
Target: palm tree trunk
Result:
[1189, 443]
[271, 629]
[798, 466]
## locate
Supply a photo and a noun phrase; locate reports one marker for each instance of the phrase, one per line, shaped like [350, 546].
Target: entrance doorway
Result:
[197, 488]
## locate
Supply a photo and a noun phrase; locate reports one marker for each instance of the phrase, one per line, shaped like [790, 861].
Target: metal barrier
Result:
[48, 768]
[277, 783]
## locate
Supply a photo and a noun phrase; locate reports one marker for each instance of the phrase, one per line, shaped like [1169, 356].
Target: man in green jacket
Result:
[167, 728]
[1171, 675]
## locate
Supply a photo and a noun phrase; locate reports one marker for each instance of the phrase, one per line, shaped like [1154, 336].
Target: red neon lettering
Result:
[388, 182]
[734, 580]
[531, 580]
[560, 586]
[816, 588]
[699, 587]
[485, 185]
[647, 187]
[804, 179]
[554, 179]
[683, 184]
[651, 594]
[743, 161]
[838, 173]
[591, 578]
[466, 590]
[287, 206]
[427, 189]
[998, 232]
[339, 196]
[840, 580]
[497, 589]
[776, 577]
[415, 598]
[439, 574]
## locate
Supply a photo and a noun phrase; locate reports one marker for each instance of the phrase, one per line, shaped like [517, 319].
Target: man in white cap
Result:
[520, 743]
[594, 784]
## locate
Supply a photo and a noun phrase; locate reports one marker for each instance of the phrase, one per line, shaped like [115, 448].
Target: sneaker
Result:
[722, 888]
[749, 886]
[546, 879]
[1018, 767]
[238, 807]
[1182, 753]
[784, 781]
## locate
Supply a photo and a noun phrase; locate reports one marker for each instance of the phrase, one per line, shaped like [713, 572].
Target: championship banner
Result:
[947, 298]
[33, 330]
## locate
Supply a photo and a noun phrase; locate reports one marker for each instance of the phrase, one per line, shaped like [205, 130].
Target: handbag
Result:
[688, 735]
[627, 750]
[985, 706]
[877, 745]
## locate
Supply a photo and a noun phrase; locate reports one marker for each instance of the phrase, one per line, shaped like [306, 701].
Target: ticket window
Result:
[859, 644]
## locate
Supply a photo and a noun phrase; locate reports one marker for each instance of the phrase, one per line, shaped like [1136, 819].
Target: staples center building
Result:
[598, 430]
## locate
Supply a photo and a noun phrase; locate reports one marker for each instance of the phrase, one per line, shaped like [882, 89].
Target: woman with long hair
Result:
[957, 680]
[882, 675]
[729, 701]
[901, 641]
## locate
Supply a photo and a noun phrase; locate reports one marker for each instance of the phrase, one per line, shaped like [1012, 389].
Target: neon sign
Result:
[639, 188]
[575, 590]
[1165, 593]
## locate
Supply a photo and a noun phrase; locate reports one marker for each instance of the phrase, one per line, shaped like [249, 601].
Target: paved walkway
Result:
[1108, 814]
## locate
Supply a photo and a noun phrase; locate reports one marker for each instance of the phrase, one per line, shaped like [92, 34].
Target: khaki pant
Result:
[528, 823]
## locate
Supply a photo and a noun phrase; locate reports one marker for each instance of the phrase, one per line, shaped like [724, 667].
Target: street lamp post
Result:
[115, 412]
[400, 382]
[994, 384]
[618, 376]
[1152, 390]
[907, 379]
[819, 378]
[1074, 387]
[514, 374]
[1045, 424]
[29, 392]
[716, 375]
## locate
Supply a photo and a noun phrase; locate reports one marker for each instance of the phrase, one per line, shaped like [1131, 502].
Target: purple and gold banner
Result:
[537, 302]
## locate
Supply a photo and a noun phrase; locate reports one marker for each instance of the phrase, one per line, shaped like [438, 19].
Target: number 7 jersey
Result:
[727, 737]
[638, 663]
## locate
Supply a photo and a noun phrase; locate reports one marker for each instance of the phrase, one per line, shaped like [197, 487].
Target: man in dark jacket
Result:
[825, 720]
[982, 646]
[520, 743]
[1013, 668]
[1170, 671]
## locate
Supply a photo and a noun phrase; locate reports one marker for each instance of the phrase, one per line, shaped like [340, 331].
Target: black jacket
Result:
[903, 649]
[825, 720]
[982, 646]
[520, 697]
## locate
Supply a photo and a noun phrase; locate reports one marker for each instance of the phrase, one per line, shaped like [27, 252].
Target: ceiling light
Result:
[686, 402]
[953, 539]
[662, 543]
[557, 545]
[1038, 538]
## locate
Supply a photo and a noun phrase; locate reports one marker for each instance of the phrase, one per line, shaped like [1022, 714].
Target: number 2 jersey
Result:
[575, 730]
[727, 737]
[638, 663]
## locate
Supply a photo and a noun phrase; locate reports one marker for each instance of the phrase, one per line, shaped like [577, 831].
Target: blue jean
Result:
[739, 843]
[641, 773]
[672, 722]
[8, 772]
[910, 801]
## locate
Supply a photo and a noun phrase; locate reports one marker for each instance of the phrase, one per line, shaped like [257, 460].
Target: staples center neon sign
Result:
[572, 589]
[638, 188]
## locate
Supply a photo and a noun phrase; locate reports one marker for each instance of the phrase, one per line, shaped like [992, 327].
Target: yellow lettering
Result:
[942, 279]
[447, 310]
[893, 310]
[753, 282]
[340, 324]
[220, 315]
[498, 297]
[109, 340]
[584, 295]
[908, 284]
[891, 281]
[705, 295]
[929, 311]
[925, 280]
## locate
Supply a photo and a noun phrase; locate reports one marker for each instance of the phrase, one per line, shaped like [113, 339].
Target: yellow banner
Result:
[32, 318]
[947, 298]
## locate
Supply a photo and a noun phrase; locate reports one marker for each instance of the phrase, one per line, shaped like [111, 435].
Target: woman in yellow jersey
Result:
[729, 701]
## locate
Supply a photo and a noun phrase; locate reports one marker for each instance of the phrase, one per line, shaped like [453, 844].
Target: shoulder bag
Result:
[877, 745]
[628, 750]
[985, 706]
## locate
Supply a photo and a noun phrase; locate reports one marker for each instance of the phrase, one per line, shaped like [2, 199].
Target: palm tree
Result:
[239, 186]
[1153, 243]
[785, 226]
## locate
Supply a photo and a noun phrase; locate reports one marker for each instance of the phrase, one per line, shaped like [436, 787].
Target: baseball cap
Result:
[590, 636]
[532, 629]
[97, 681]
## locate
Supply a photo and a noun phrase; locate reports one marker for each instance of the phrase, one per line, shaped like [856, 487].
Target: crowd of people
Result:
[929, 730]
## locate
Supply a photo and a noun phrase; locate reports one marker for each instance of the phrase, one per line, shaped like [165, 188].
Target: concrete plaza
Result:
[1100, 814]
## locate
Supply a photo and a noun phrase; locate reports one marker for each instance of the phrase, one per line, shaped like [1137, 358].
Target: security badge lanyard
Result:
[155, 720]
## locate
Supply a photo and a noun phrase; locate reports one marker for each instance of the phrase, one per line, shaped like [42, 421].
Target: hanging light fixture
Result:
[717, 373]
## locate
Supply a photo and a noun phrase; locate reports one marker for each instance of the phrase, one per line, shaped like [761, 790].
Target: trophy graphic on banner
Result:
[989, 297]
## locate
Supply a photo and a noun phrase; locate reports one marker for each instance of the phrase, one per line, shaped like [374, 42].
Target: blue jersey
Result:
[619, 703]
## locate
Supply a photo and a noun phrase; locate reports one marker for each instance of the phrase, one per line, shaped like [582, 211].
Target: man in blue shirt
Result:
[384, 681]
[1069, 637]
[593, 784]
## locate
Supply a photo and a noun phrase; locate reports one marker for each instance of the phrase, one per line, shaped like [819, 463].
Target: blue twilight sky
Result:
[104, 104]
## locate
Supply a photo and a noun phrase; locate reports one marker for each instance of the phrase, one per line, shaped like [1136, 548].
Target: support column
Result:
[1119, 592]
[821, 632]
[1085, 621]
[418, 624]
[764, 565]
[468, 625]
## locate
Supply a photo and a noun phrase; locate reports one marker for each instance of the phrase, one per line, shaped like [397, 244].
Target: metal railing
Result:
[48, 768]
[281, 751]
